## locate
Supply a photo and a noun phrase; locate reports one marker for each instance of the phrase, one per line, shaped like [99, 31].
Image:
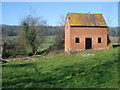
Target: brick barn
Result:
[85, 31]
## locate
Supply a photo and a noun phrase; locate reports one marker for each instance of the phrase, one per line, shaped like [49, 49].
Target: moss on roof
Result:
[86, 19]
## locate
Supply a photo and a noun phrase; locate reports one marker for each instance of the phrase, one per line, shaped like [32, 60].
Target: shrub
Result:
[13, 48]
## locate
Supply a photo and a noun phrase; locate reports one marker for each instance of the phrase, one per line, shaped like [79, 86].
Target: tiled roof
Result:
[86, 19]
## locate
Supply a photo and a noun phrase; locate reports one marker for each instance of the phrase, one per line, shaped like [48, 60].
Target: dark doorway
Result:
[88, 42]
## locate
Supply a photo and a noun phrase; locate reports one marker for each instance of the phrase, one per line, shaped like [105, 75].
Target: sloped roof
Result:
[86, 19]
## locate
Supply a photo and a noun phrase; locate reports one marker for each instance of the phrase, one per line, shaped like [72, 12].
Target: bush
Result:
[13, 48]
[55, 47]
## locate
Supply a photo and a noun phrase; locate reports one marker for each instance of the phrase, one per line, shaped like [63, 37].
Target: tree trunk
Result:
[34, 50]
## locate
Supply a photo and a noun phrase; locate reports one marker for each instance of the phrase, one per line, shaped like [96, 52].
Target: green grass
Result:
[50, 39]
[12, 37]
[114, 40]
[64, 71]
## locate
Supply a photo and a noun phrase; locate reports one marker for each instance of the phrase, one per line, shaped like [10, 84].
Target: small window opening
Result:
[99, 40]
[77, 40]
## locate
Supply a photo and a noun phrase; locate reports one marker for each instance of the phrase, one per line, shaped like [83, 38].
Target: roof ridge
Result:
[87, 13]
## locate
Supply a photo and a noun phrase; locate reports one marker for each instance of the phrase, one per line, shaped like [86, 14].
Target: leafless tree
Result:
[61, 20]
[60, 36]
[109, 22]
[33, 28]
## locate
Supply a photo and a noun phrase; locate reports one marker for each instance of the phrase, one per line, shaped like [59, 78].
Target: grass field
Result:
[78, 70]
[114, 40]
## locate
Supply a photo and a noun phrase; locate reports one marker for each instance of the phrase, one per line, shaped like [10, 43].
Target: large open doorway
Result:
[88, 43]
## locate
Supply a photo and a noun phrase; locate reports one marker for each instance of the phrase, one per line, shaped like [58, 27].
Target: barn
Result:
[85, 31]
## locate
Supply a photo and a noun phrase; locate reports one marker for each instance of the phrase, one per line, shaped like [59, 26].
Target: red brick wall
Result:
[67, 36]
[83, 32]
[67, 39]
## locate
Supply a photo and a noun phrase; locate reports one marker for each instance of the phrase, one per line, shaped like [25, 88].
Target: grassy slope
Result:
[114, 40]
[65, 71]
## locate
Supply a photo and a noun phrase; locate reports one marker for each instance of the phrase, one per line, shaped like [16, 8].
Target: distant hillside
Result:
[50, 30]
[10, 30]
[114, 31]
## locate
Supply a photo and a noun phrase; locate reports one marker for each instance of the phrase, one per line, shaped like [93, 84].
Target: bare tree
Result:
[60, 36]
[61, 20]
[109, 22]
[34, 28]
